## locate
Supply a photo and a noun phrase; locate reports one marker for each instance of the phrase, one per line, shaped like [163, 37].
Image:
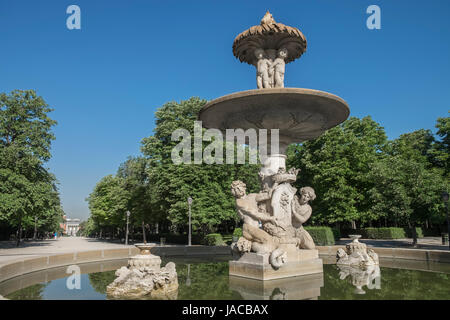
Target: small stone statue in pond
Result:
[356, 254]
[262, 69]
[279, 66]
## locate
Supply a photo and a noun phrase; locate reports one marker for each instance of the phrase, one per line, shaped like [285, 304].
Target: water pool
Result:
[201, 279]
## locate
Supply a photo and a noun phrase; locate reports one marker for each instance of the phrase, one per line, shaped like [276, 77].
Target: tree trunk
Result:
[413, 233]
[143, 232]
[157, 228]
[353, 224]
[19, 233]
[35, 228]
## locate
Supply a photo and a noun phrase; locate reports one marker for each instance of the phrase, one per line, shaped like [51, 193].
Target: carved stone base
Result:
[292, 288]
[145, 260]
[256, 266]
[144, 278]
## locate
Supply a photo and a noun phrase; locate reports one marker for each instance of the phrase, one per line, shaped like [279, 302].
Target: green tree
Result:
[27, 190]
[136, 182]
[441, 148]
[336, 165]
[108, 203]
[407, 187]
[208, 184]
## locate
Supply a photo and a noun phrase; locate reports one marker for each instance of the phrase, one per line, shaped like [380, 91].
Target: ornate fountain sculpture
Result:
[274, 243]
[144, 277]
[356, 254]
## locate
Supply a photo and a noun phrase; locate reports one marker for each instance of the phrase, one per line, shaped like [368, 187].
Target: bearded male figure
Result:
[249, 211]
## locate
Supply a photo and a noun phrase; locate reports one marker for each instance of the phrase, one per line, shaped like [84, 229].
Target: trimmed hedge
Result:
[237, 232]
[432, 232]
[214, 239]
[385, 233]
[322, 236]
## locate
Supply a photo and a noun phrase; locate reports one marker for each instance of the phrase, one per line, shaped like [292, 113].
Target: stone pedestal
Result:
[145, 278]
[145, 261]
[292, 288]
[256, 266]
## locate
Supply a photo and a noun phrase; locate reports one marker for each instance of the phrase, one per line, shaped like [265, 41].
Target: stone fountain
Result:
[145, 278]
[356, 254]
[274, 244]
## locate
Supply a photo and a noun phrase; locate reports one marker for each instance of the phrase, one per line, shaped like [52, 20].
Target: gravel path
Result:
[9, 251]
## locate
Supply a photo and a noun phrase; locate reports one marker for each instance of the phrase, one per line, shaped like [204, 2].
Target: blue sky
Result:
[106, 80]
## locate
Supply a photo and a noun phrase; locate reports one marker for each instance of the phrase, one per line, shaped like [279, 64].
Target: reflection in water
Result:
[34, 292]
[292, 288]
[188, 278]
[100, 280]
[369, 276]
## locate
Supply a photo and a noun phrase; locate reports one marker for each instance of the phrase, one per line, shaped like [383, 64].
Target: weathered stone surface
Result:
[273, 218]
[299, 114]
[257, 266]
[144, 278]
[145, 282]
[281, 214]
[272, 35]
[356, 254]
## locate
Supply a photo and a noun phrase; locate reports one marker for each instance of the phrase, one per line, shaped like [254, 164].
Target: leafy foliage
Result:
[214, 239]
[358, 174]
[322, 236]
[208, 184]
[28, 192]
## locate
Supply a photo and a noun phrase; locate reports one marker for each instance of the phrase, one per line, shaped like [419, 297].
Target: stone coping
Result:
[18, 267]
[396, 253]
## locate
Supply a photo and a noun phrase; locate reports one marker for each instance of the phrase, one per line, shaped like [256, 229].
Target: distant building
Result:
[70, 226]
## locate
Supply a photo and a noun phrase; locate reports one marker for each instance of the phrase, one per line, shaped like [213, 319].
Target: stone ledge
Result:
[397, 253]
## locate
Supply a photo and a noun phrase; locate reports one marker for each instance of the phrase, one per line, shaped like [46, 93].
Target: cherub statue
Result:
[301, 211]
[262, 69]
[271, 55]
[279, 66]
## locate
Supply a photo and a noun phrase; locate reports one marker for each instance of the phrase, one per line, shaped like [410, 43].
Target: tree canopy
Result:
[28, 191]
[359, 175]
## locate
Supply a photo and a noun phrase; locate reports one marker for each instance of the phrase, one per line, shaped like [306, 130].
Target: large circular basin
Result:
[299, 114]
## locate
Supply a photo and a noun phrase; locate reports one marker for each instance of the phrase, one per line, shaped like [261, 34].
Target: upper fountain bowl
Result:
[299, 114]
[145, 247]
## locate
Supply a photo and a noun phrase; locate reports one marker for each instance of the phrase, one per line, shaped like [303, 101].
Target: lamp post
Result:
[189, 200]
[445, 199]
[126, 235]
